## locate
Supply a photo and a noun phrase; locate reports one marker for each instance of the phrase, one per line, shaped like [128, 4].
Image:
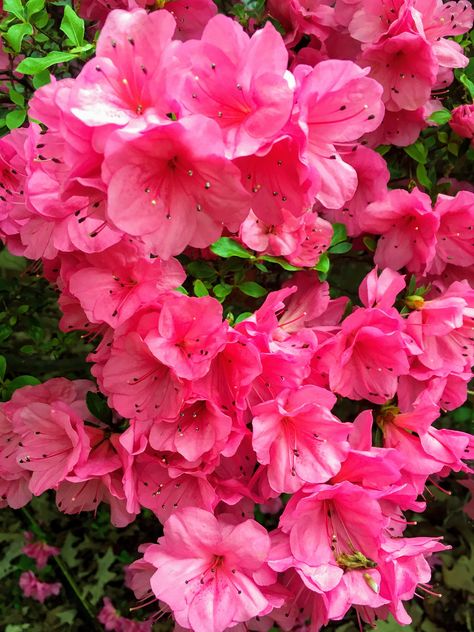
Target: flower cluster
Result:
[181, 130]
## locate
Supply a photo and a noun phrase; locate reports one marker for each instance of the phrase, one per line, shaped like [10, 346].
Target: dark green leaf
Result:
[73, 26]
[422, 176]
[226, 247]
[15, 118]
[382, 149]
[98, 407]
[369, 243]
[41, 79]
[3, 367]
[201, 270]
[34, 65]
[250, 288]
[11, 262]
[339, 234]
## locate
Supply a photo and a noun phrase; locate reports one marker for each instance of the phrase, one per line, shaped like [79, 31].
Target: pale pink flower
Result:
[172, 185]
[207, 570]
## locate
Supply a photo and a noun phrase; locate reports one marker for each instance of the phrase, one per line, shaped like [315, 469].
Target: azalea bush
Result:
[238, 314]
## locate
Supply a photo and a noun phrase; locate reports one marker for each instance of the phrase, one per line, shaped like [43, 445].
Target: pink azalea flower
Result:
[298, 438]
[277, 239]
[400, 128]
[408, 226]
[462, 121]
[239, 82]
[316, 239]
[189, 334]
[381, 291]
[111, 620]
[111, 286]
[454, 238]
[370, 353]
[38, 551]
[125, 79]
[53, 441]
[405, 65]
[298, 18]
[372, 180]
[206, 570]
[338, 103]
[279, 181]
[173, 185]
[32, 587]
[191, 16]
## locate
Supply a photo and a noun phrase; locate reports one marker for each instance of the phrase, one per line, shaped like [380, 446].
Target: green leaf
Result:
[34, 6]
[20, 381]
[182, 290]
[98, 407]
[369, 243]
[199, 288]
[382, 149]
[440, 116]
[41, 79]
[323, 264]
[11, 262]
[340, 249]
[103, 575]
[15, 118]
[14, 7]
[339, 234]
[16, 97]
[422, 176]
[250, 288]
[34, 65]
[15, 34]
[222, 291]
[468, 84]
[417, 151]
[201, 270]
[453, 148]
[242, 316]
[3, 367]
[226, 247]
[281, 262]
[73, 26]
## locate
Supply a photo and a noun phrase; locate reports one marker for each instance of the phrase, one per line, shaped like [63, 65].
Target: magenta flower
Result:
[38, 550]
[32, 587]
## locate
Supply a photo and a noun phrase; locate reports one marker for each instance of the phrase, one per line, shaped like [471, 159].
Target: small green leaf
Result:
[417, 151]
[12, 262]
[3, 367]
[97, 406]
[15, 118]
[382, 149]
[222, 291]
[16, 97]
[453, 148]
[226, 247]
[261, 266]
[14, 7]
[440, 116]
[199, 288]
[339, 234]
[468, 84]
[41, 79]
[369, 243]
[323, 264]
[34, 6]
[34, 65]
[73, 26]
[20, 381]
[241, 317]
[250, 288]
[283, 263]
[340, 249]
[15, 34]
[182, 290]
[422, 176]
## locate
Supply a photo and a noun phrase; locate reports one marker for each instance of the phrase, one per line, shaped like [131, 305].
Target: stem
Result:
[66, 578]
